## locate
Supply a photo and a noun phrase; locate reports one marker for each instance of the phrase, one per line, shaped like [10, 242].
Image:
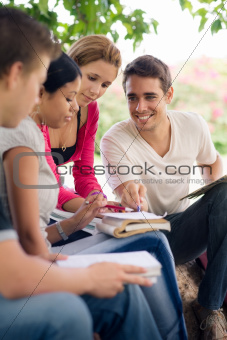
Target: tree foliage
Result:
[89, 17]
[101, 17]
[216, 10]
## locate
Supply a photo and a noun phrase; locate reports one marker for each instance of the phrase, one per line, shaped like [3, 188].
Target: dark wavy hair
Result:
[148, 66]
[60, 72]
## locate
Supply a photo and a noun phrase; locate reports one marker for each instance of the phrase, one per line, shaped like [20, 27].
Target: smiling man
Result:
[154, 152]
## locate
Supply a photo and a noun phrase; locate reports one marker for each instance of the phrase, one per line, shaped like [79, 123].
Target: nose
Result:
[141, 106]
[95, 89]
[74, 106]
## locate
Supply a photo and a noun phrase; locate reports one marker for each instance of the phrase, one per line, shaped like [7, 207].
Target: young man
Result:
[158, 148]
[37, 298]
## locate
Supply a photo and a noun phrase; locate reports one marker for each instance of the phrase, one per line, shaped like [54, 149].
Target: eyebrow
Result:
[145, 94]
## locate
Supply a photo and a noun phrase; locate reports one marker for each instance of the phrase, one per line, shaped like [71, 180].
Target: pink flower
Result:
[217, 113]
[214, 74]
[198, 73]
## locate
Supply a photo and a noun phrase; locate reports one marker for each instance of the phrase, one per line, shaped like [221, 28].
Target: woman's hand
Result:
[88, 210]
[53, 257]
[107, 279]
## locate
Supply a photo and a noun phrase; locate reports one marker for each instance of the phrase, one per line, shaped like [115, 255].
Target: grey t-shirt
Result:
[27, 134]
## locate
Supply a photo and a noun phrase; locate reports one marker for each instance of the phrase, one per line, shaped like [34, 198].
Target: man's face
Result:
[147, 102]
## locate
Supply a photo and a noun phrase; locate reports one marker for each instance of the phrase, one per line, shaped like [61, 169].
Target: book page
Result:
[141, 215]
[138, 258]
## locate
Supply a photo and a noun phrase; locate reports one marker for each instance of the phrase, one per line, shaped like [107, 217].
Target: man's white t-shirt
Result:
[166, 178]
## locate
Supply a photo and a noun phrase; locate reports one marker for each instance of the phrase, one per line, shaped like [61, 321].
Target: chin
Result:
[84, 104]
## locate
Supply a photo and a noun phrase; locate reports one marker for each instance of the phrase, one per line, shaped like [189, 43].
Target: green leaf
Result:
[202, 12]
[155, 25]
[216, 26]
[202, 23]
[186, 4]
[43, 6]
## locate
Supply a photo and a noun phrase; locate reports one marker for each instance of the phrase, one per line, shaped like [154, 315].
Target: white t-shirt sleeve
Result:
[118, 168]
[207, 152]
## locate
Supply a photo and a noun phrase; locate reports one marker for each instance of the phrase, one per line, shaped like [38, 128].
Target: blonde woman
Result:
[99, 60]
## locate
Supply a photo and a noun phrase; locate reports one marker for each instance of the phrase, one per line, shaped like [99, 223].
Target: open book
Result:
[137, 258]
[122, 225]
[205, 188]
[59, 215]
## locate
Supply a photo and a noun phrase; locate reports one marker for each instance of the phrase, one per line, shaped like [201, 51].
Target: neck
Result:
[36, 117]
[159, 138]
[158, 132]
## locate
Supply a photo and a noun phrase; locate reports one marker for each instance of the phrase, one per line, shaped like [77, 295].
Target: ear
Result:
[14, 75]
[41, 91]
[169, 95]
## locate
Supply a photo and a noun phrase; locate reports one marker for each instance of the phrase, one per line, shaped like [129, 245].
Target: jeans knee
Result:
[220, 191]
[69, 316]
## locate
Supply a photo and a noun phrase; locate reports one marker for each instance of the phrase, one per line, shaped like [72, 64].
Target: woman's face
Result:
[97, 77]
[58, 108]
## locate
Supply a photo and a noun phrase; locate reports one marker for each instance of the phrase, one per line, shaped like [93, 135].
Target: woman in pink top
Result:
[99, 60]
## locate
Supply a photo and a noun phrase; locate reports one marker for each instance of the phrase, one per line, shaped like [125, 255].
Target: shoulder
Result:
[120, 130]
[189, 121]
[25, 134]
[93, 107]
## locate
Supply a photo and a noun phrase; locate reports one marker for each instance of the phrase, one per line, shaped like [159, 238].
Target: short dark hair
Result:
[151, 67]
[60, 72]
[23, 39]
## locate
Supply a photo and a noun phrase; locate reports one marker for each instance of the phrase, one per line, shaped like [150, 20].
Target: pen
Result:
[117, 207]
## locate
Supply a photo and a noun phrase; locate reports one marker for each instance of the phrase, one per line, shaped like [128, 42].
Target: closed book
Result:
[137, 258]
[138, 222]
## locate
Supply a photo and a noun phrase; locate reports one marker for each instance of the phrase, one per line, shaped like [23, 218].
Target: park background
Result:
[190, 36]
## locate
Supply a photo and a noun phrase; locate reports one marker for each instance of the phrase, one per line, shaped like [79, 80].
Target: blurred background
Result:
[189, 35]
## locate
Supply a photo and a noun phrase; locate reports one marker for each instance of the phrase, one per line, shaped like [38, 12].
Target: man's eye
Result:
[131, 99]
[150, 97]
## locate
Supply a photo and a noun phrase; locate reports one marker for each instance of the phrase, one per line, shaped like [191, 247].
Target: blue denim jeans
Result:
[54, 316]
[58, 316]
[204, 226]
[163, 297]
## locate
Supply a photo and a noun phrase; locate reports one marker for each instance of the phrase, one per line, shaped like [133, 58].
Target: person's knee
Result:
[68, 316]
[69, 309]
[220, 191]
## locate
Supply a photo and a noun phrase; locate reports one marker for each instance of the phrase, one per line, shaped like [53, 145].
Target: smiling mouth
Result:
[88, 98]
[145, 117]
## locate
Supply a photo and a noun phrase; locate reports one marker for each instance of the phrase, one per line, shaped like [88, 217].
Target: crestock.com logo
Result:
[121, 170]
[16, 175]
[135, 170]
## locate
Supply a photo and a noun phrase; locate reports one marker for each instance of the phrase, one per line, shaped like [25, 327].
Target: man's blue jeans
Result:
[204, 226]
[163, 297]
[58, 316]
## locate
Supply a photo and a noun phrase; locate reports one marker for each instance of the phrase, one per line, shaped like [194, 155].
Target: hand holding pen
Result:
[133, 196]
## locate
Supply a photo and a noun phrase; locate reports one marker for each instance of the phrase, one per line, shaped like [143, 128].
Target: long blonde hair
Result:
[95, 47]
